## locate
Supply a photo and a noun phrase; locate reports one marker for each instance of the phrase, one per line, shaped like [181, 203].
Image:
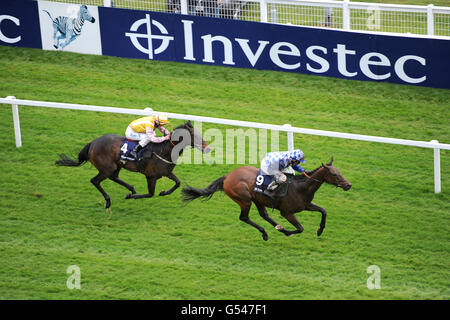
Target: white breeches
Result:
[274, 171]
[138, 136]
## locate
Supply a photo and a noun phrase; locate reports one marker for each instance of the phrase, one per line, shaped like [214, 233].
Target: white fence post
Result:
[107, 3]
[346, 15]
[263, 10]
[430, 20]
[184, 7]
[437, 169]
[273, 13]
[290, 138]
[15, 112]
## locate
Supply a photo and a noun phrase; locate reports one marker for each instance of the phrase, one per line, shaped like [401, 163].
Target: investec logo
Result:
[165, 40]
[318, 57]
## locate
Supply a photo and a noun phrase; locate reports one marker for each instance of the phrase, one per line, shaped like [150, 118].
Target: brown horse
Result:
[239, 184]
[157, 162]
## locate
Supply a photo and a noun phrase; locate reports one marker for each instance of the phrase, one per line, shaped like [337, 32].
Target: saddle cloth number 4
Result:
[124, 148]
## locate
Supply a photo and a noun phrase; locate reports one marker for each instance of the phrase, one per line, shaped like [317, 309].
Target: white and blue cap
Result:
[297, 155]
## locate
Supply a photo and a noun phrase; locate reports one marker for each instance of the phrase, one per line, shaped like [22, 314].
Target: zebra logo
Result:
[66, 29]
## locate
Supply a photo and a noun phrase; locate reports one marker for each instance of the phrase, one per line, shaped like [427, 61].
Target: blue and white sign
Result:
[202, 40]
[19, 24]
[140, 34]
[69, 27]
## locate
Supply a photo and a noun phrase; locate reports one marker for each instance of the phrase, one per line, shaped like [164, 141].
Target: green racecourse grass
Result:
[160, 249]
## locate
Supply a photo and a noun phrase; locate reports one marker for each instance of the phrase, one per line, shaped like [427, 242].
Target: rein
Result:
[162, 159]
[309, 177]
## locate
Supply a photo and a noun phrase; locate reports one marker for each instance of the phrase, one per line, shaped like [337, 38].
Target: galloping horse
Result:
[239, 184]
[104, 154]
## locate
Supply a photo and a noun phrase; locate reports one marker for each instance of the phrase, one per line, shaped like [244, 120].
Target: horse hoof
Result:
[265, 237]
[319, 232]
[162, 193]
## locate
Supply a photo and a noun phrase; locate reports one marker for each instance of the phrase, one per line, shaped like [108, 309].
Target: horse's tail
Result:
[83, 156]
[190, 193]
[49, 15]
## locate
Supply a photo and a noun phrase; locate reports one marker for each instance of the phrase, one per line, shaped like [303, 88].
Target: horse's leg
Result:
[115, 178]
[238, 190]
[245, 209]
[263, 213]
[96, 182]
[59, 38]
[151, 184]
[315, 207]
[69, 39]
[294, 221]
[174, 178]
[55, 36]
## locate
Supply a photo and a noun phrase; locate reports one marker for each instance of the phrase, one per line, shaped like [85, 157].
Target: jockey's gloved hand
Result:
[282, 178]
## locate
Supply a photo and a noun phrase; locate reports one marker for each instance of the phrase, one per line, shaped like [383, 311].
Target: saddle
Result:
[262, 182]
[126, 148]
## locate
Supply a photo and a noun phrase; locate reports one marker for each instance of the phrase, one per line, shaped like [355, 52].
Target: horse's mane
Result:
[181, 126]
[165, 146]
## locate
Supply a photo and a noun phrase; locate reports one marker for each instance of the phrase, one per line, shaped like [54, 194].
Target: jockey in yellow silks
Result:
[143, 130]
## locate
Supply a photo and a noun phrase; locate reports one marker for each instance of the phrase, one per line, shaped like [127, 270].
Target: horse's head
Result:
[333, 176]
[85, 14]
[191, 137]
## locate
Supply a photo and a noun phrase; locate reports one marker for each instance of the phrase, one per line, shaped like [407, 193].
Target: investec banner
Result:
[171, 37]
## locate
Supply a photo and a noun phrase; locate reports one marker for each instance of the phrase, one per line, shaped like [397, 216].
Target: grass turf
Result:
[52, 217]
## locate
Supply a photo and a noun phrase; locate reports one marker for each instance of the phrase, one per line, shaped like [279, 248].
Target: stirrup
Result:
[272, 186]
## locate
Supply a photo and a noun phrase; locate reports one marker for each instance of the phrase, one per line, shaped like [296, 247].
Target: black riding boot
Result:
[134, 152]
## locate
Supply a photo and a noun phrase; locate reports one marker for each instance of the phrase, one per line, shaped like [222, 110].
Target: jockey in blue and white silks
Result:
[276, 164]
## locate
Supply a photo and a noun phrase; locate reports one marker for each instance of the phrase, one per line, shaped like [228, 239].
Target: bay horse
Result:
[159, 161]
[239, 184]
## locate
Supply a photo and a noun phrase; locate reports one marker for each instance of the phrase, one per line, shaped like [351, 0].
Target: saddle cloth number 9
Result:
[260, 180]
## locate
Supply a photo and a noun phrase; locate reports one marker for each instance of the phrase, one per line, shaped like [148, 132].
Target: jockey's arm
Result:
[152, 136]
[164, 130]
[298, 168]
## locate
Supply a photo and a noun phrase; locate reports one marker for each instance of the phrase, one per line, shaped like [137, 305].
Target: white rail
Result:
[434, 144]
